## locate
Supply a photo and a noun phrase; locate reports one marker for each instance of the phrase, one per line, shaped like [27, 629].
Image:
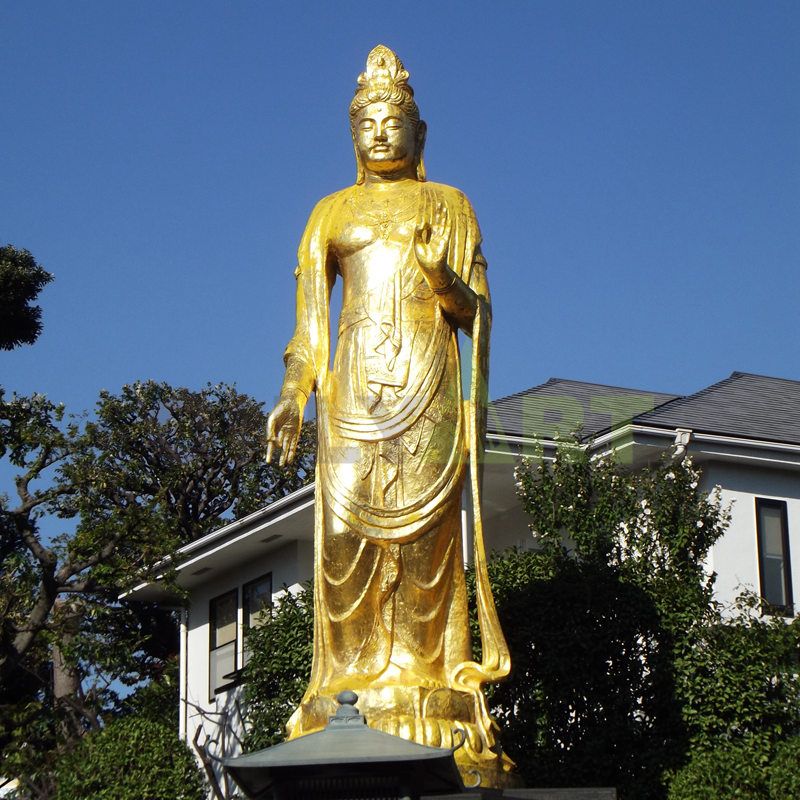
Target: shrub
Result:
[738, 678]
[278, 669]
[784, 773]
[131, 759]
[732, 771]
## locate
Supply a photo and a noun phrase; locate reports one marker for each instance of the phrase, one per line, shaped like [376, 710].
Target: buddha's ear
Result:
[422, 132]
[359, 166]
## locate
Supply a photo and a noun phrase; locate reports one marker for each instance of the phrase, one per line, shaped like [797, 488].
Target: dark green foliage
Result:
[591, 700]
[615, 581]
[21, 280]
[158, 700]
[739, 678]
[624, 667]
[784, 771]
[177, 461]
[750, 767]
[279, 668]
[650, 527]
[133, 758]
[732, 771]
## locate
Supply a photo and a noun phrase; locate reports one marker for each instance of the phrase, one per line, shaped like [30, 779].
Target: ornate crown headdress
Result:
[385, 80]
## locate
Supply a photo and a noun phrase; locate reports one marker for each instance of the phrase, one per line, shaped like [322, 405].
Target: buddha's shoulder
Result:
[331, 200]
[449, 194]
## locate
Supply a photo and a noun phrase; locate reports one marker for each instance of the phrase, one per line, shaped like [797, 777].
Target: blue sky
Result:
[635, 167]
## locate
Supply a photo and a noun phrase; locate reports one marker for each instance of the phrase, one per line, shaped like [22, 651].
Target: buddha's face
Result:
[386, 139]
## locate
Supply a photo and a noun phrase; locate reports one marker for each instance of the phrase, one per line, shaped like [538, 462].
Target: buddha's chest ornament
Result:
[389, 215]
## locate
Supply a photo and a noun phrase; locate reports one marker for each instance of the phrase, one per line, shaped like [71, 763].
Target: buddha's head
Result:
[388, 135]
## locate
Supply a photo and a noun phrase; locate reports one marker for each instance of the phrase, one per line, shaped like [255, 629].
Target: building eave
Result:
[643, 438]
[231, 531]
[197, 557]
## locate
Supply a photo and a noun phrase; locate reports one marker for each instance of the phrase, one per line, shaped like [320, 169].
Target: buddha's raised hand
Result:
[431, 240]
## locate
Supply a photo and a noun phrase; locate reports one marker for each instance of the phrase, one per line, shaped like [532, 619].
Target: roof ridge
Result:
[552, 381]
[737, 398]
[740, 374]
[525, 391]
[611, 386]
[677, 401]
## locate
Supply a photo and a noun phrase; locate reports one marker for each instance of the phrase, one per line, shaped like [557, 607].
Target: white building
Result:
[744, 432]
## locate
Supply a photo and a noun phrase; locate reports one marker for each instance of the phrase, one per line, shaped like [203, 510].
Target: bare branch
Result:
[208, 766]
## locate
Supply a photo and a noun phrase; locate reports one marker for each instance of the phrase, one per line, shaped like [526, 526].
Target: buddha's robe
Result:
[394, 438]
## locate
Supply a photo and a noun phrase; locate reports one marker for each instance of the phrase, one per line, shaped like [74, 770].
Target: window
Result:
[257, 600]
[774, 570]
[256, 603]
[222, 657]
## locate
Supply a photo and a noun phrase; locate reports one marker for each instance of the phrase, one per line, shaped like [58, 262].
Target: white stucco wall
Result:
[290, 565]
[735, 557]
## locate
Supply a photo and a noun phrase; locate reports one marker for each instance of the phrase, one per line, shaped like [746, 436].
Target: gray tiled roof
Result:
[562, 405]
[745, 405]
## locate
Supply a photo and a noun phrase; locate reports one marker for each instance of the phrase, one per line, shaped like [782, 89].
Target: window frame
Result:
[213, 691]
[246, 612]
[245, 586]
[786, 610]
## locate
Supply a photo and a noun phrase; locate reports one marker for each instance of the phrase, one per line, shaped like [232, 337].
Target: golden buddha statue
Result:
[395, 439]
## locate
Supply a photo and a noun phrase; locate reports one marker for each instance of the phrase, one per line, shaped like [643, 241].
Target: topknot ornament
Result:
[384, 80]
[384, 72]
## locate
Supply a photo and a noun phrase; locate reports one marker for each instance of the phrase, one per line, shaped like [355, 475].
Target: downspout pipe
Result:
[682, 438]
[183, 711]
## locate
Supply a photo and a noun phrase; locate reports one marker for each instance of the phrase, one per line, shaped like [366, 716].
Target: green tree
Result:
[748, 767]
[591, 697]
[739, 678]
[154, 468]
[21, 280]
